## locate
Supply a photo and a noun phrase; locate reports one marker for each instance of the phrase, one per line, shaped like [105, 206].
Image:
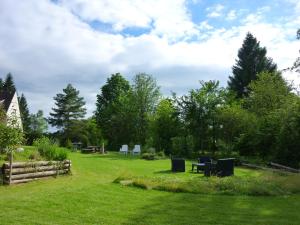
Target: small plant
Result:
[49, 149]
[148, 156]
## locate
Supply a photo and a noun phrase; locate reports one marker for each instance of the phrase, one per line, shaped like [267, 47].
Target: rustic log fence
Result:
[21, 172]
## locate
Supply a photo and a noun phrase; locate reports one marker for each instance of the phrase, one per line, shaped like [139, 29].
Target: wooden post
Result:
[10, 166]
[103, 148]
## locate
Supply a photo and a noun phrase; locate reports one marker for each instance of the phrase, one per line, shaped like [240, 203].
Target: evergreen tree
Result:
[1, 84]
[24, 111]
[8, 84]
[251, 61]
[69, 107]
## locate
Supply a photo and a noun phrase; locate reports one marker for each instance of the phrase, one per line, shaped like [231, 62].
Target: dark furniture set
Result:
[221, 167]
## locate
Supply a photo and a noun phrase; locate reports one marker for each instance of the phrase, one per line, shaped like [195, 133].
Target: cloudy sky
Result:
[47, 44]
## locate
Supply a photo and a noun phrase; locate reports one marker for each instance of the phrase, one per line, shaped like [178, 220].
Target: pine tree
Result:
[1, 84]
[251, 61]
[24, 111]
[69, 107]
[8, 84]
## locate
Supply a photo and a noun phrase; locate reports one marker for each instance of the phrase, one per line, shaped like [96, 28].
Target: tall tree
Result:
[145, 97]
[8, 84]
[38, 123]
[69, 107]
[111, 110]
[251, 61]
[199, 111]
[24, 114]
[165, 125]
[1, 84]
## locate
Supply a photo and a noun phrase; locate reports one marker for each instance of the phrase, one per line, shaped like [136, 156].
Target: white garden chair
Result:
[136, 150]
[124, 149]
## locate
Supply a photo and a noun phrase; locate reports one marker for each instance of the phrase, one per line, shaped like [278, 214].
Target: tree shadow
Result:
[185, 208]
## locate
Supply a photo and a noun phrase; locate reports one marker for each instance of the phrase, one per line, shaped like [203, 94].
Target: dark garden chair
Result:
[178, 165]
[224, 167]
[200, 165]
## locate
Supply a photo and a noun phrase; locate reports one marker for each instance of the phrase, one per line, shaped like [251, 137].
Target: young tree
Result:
[69, 108]
[165, 125]
[145, 97]
[8, 84]
[24, 111]
[268, 93]
[198, 110]
[112, 111]
[251, 61]
[38, 123]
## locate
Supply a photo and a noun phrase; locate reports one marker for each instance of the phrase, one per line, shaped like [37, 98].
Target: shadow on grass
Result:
[215, 209]
[111, 156]
[165, 172]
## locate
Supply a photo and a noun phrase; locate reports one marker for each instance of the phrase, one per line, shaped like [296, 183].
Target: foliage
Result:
[164, 125]
[268, 93]
[49, 149]
[148, 156]
[24, 111]
[69, 107]
[11, 135]
[251, 61]
[198, 110]
[111, 110]
[144, 99]
[8, 84]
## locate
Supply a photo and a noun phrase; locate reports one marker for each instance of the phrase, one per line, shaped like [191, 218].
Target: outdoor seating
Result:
[124, 149]
[178, 165]
[201, 163]
[136, 150]
[91, 149]
[224, 167]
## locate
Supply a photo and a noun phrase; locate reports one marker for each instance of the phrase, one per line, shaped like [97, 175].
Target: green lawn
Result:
[89, 196]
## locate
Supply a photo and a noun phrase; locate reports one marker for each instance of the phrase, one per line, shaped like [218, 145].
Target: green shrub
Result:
[148, 156]
[50, 149]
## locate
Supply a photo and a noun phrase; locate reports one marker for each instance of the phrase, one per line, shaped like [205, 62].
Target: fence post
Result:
[10, 166]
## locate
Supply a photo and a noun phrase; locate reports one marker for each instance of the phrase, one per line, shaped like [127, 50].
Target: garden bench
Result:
[200, 165]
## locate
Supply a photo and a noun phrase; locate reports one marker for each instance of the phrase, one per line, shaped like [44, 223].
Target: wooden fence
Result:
[21, 172]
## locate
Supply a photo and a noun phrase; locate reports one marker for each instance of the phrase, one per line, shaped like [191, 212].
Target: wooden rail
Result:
[280, 170]
[21, 172]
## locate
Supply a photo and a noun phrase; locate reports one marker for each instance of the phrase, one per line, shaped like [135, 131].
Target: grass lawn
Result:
[89, 196]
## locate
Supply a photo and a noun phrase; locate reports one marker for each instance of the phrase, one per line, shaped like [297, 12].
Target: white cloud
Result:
[215, 11]
[168, 18]
[231, 15]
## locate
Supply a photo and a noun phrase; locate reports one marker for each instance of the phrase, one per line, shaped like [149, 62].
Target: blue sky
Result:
[47, 44]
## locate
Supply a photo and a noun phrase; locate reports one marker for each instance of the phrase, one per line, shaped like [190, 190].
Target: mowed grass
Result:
[89, 196]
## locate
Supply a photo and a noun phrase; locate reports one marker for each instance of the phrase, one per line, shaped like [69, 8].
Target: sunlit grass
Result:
[89, 196]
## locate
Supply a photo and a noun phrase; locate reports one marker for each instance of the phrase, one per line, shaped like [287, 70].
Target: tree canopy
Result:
[69, 107]
[251, 61]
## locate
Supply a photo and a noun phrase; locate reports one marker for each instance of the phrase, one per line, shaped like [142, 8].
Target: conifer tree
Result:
[24, 111]
[69, 107]
[251, 61]
[8, 84]
[1, 84]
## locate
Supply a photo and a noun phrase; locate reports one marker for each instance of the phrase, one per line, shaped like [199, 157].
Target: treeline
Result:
[34, 125]
[258, 114]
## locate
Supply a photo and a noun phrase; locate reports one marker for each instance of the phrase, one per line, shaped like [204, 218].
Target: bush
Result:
[148, 156]
[50, 149]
